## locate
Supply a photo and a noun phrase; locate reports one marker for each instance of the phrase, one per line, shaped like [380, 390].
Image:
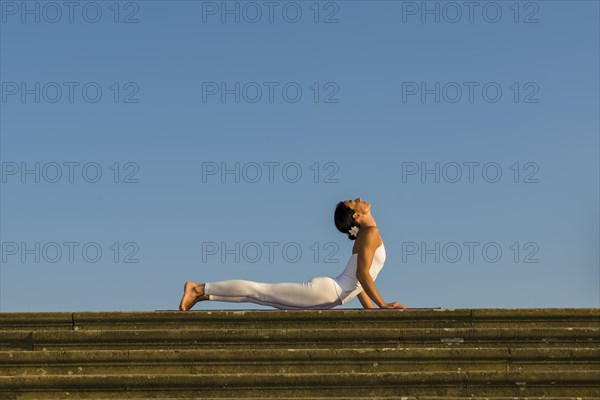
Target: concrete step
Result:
[181, 395]
[242, 337]
[293, 360]
[325, 319]
[456, 383]
[165, 396]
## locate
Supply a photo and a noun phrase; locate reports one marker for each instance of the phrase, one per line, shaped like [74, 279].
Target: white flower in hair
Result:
[353, 231]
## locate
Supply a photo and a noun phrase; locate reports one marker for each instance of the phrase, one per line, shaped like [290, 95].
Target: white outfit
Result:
[348, 281]
[321, 292]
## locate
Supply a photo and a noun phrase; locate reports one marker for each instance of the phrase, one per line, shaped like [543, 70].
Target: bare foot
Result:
[192, 293]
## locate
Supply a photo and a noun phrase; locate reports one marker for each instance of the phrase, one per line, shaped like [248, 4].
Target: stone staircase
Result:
[310, 354]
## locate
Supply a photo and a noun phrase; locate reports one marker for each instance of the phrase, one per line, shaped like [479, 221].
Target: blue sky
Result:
[477, 132]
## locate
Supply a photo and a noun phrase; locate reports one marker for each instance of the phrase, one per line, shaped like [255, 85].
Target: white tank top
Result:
[348, 281]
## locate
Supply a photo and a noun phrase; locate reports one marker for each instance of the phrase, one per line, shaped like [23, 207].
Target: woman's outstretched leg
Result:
[318, 293]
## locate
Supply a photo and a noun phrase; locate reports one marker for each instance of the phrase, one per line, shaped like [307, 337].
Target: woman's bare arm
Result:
[365, 300]
[367, 246]
[369, 287]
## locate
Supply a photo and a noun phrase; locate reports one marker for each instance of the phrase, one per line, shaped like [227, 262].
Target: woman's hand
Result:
[394, 304]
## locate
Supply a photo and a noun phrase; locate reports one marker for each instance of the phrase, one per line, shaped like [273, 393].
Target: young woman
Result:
[352, 217]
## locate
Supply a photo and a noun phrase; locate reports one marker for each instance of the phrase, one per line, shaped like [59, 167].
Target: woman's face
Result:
[358, 205]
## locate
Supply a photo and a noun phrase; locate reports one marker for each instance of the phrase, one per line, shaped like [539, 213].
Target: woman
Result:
[352, 217]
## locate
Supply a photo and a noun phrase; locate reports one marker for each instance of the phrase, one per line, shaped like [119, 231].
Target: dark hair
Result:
[343, 219]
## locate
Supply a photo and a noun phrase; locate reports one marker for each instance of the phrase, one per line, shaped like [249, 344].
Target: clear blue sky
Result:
[366, 119]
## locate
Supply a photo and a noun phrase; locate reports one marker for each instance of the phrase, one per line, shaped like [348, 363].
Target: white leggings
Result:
[321, 292]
